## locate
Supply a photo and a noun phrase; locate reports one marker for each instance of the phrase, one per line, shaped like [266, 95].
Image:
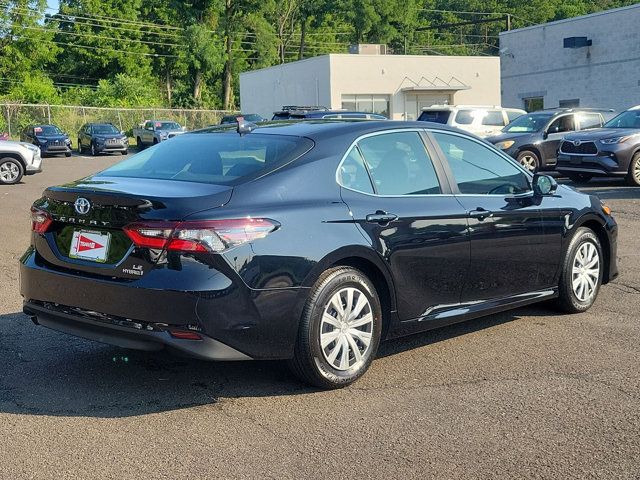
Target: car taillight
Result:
[40, 220]
[199, 236]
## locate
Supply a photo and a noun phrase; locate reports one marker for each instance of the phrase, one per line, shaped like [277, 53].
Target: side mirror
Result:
[545, 134]
[544, 185]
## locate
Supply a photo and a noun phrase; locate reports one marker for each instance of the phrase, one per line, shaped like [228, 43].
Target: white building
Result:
[398, 86]
[587, 61]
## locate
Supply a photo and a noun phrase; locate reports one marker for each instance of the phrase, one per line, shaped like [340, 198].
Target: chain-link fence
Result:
[14, 117]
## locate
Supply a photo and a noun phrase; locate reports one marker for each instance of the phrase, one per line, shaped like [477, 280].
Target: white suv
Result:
[18, 159]
[481, 120]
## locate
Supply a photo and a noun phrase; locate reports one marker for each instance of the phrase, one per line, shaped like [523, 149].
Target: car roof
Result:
[322, 128]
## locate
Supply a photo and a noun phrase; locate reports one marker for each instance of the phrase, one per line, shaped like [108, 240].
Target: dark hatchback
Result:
[611, 151]
[97, 138]
[50, 138]
[533, 139]
[310, 241]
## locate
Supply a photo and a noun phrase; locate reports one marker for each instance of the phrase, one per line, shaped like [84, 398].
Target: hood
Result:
[600, 133]
[52, 137]
[14, 144]
[508, 136]
[150, 198]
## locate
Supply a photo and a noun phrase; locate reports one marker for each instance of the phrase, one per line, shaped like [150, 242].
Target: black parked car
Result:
[322, 113]
[51, 139]
[611, 151]
[533, 139]
[308, 241]
[98, 138]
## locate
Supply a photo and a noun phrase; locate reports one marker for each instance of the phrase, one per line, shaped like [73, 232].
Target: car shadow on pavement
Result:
[43, 372]
[608, 189]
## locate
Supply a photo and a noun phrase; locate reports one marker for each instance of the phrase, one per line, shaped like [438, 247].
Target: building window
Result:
[573, 103]
[533, 103]
[367, 103]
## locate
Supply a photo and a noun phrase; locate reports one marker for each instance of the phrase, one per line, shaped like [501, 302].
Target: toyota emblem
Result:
[577, 143]
[82, 206]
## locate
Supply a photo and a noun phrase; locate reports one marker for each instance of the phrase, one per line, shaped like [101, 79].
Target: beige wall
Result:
[323, 80]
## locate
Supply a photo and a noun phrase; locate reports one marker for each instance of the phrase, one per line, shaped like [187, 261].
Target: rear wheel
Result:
[633, 177]
[581, 274]
[11, 171]
[340, 330]
[529, 160]
[580, 177]
[79, 147]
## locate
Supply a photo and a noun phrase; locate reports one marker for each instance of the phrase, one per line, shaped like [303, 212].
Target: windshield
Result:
[167, 126]
[528, 123]
[47, 130]
[105, 129]
[436, 116]
[628, 119]
[205, 157]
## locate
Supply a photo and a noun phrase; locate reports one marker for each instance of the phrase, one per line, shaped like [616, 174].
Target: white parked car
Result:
[18, 159]
[481, 120]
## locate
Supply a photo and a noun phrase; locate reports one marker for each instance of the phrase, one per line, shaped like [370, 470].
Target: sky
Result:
[53, 4]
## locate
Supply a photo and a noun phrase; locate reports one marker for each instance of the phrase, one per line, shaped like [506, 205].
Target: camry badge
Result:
[82, 206]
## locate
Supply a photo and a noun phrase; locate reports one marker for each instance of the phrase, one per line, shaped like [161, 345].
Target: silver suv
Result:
[18, 159]
[481, 120]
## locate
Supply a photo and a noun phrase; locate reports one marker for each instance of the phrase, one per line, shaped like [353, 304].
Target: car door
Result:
[401, 201]
[553, 135]
[148, 132]
[510, 252]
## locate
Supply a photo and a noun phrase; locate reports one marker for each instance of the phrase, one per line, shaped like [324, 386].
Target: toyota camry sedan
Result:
[310, 242]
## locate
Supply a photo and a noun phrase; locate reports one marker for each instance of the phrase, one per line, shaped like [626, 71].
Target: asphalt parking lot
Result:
[524, 394]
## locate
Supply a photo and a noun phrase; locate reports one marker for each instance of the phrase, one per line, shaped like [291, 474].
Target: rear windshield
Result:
[47, 130]
[533, 122]
[221, 158]
[167, 126]
[436, 116]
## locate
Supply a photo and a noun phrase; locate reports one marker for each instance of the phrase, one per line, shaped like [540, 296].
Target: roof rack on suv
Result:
[297, 108]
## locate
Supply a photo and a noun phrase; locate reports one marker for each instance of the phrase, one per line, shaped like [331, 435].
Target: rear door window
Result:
[464, 117]
[353, 172]
[399, 164]
[589, 120]
[493, 118]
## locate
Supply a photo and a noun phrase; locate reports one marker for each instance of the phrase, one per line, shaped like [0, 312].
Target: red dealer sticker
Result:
[92, 246]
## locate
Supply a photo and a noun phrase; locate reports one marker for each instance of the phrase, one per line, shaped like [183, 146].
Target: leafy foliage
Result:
[178, 53]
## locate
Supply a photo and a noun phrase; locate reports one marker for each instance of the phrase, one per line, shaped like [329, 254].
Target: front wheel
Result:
[529, 160]
[339, 331]
[581, 274]
[94, 151]
[633, 177]
[11, 171]
[79, 147]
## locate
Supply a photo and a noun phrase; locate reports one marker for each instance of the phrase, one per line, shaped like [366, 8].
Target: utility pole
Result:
[508, 21]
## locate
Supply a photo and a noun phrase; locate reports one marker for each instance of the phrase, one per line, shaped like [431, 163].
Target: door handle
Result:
[480, 213]
[381, 217]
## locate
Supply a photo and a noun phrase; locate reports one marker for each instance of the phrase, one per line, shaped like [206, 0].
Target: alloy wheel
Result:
[585, 272]
[528, 162]
[346, 329]
[9, 172]
[636, 172]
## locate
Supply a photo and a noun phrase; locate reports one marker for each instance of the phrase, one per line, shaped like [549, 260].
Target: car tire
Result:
[339, 293]
[67, 154]
[79, 147]
[139, 143]
[580, 177]
[93, 150]
[124, 152]
[529, 160]
[580, 278]
[155, 141]
[11, 171]
[633, 177]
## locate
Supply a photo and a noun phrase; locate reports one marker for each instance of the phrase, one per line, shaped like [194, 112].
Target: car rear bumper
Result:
[127, 334]
[141, 313]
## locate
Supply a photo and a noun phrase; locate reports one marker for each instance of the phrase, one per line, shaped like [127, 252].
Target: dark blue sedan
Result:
[308, 241]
